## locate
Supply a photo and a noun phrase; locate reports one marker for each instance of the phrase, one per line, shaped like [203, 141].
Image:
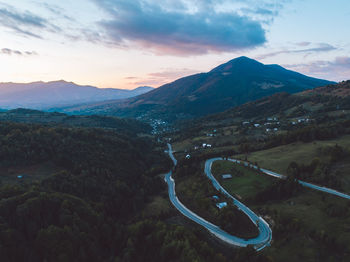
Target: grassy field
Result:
[278, 158]
[302, 225]
[310, 226]
[245, 182]
[299, 223]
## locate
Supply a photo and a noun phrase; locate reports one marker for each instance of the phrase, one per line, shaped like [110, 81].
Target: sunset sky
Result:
[129, 43]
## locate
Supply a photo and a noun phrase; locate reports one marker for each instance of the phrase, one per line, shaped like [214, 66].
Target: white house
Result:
[221, 205]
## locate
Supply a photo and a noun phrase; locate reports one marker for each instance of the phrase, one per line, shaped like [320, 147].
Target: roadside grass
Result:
[278, 158]
[245, 182]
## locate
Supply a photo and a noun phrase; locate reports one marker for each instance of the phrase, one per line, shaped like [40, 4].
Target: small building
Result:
[19, 176]
[188, 156]
[204, 145]
[268, 129]
[245, 123]
[215, 198]
[221, 204]
[208, 145]
[256, 125]
[226, 176]
[275, 129]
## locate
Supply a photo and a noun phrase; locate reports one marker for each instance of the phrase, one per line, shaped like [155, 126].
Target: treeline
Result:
[319, 172]
[121, 125]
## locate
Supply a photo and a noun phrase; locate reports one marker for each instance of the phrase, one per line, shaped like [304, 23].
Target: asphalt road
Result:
[265, 233]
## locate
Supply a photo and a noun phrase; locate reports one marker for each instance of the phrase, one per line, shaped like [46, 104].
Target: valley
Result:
[102, 173]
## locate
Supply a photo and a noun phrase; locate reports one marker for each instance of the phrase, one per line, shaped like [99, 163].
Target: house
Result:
[226, 176]
[188, 156]
[221, 205]
[215, 197]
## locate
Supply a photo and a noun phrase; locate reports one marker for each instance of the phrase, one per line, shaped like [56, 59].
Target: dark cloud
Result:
[24, 23]
[8, 51]
[178, 30]
[337, 70]
[322, 47]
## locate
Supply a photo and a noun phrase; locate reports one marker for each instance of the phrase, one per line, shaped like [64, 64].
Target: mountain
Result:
[233, 83]
[317, 107]
[44, 95]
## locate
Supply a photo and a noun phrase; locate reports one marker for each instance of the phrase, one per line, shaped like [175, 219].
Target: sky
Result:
[131, 43]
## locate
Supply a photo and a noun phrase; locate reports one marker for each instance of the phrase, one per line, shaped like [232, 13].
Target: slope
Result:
[233, 83]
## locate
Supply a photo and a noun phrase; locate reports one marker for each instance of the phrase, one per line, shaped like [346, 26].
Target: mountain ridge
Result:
[236, 82]
[44, 95]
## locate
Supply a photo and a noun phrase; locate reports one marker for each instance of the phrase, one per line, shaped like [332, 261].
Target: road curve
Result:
[265, 233]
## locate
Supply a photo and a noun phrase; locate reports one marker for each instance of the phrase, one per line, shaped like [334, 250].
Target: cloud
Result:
[303, 43]
[180, 28]
[321, 47]
[163, 77]
[24, 23]
[336, 70]
[8, 51]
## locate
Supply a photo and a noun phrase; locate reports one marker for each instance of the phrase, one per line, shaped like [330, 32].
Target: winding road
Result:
[265, 234]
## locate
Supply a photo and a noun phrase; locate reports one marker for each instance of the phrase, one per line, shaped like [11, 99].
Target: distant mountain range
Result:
[234, 83]
[46, 95]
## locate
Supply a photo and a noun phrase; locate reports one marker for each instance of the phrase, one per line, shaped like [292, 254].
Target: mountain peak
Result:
[239, 63]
